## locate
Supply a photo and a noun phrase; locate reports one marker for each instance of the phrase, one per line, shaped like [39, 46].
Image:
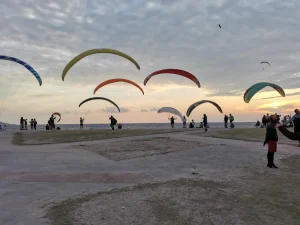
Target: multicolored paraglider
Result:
[170, 110]
[96, 51]
[176, 72]
[58, 114]
[99, 98]
[37, 76]
[117, 80]
[193, 106]
[251, 91]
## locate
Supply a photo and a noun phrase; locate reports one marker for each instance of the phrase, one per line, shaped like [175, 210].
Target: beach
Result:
[147, 176]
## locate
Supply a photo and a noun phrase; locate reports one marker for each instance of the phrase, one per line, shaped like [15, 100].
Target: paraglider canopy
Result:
[173, 71]
[37, 76]
[117, 80]
[265, 62]
[96, 51]
[196, 104]
[99, 98]
[251, 91]
[58, 114]
[170, 110]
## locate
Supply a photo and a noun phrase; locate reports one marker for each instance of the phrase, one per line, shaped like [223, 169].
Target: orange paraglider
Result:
[117, 80]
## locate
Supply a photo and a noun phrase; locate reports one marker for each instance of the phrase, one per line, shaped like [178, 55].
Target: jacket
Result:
[271, 134]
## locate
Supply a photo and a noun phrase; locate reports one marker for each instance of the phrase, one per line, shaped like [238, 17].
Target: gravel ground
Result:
[124, 150]
[196, 180]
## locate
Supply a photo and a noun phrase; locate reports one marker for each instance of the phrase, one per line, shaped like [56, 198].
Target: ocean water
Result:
[129, 126]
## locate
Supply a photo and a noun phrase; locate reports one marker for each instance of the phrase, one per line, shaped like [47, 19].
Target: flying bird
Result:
[219, 25]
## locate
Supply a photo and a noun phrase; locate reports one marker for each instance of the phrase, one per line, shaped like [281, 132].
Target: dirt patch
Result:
[124, 150]
[270, 197]
[55, 137]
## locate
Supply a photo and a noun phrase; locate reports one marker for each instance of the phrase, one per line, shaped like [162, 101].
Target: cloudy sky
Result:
[181, 34]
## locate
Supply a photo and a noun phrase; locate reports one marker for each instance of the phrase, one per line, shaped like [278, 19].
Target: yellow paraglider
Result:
[96, 51]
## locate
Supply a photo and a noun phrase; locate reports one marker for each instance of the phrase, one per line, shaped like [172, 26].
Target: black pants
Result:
[270, 157]
[226, 124]
[205, 126]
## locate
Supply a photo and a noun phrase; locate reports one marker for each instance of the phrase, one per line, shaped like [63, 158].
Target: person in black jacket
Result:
[271, 139]
[226, 121]
[205, 122]
[113, 122]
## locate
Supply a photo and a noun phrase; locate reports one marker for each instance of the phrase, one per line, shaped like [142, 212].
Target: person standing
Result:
[25, 123]
[172, 119]
[264, 121]
[34, 124]
[226, 121]
[31, 124]
[271, 139]
[81, 122]
[52, 121]
[21, 123]
[194, 124]
[205, 122]
[113, 122]
[231, 119]
[267, 118]
[184, 122]
[296, 120]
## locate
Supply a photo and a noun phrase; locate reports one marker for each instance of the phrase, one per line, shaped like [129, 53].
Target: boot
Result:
[269, 160]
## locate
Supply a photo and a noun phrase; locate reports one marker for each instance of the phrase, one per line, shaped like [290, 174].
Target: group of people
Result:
[230, 118]
[3, 128]
[271, 134]
[204, 123]
[23, 124]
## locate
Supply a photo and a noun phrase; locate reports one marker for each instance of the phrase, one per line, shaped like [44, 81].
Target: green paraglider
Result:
[251, 91]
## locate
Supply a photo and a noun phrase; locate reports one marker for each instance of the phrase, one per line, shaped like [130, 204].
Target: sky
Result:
[161, 34]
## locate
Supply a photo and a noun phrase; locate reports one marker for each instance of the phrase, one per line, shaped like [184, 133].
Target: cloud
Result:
[286, 95]
[153, 109]
[225, 93]
[282, 108]
[114, 110]
[47, 35]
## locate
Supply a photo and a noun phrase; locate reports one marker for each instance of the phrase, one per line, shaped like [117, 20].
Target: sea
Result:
[10, 127]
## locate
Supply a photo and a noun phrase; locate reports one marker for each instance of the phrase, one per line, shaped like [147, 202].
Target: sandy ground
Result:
[155, 179]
